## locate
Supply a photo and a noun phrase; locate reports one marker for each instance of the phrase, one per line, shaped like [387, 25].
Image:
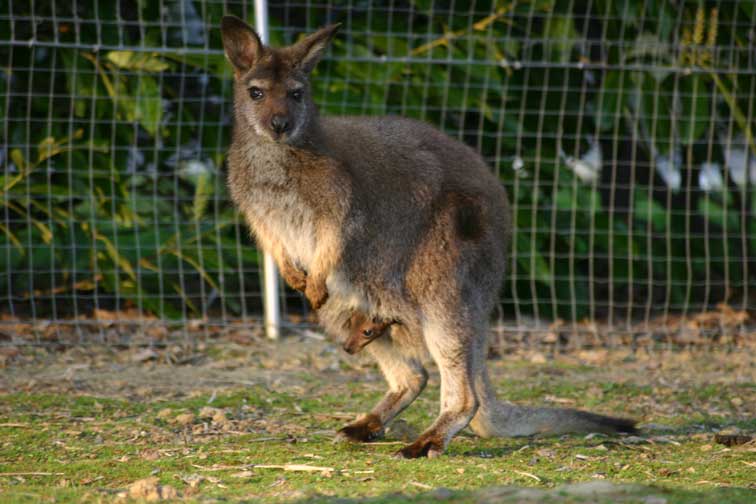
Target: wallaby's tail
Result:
[495, 418]
[506, 419]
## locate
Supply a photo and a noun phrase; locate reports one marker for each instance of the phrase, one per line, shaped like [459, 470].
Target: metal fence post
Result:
[270, 279]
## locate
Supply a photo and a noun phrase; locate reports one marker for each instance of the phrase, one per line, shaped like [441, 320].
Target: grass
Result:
[88, 440]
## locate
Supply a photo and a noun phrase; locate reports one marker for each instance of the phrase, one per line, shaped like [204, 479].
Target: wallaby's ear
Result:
[307, 52]
[241, 43]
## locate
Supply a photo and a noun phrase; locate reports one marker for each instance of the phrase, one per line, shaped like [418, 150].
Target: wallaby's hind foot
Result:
[427, 445]
[363, 430]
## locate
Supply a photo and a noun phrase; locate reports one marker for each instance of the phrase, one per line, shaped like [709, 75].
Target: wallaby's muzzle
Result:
[279, 124]
[351, 347]
[354, 344]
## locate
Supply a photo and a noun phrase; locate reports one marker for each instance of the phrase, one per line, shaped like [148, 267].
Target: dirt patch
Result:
[295, 363]
[180, 370]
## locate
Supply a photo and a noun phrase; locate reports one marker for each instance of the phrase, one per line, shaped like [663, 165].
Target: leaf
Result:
[146, 264]
[12, 238]
[587, 200]
[695, 100]
[648, 46]
[187, 301]
[103, 75]
[202, 194]
[749, 8]
[532, 261]
[63, 222]
[449, 36]
[649, 210]
[18, 159]
[148, 104]
[137, 61]
[47, 235]
[656, 113]
[213, 63]
[115, 255]
[195, 264]
[736, 111]
[666, 21]
[81, 83]
[565, 199]
[50, 147]
[3, 90]
[717, 214]
[140, 101]
[45, 148]
[560, 35]
[610, 100]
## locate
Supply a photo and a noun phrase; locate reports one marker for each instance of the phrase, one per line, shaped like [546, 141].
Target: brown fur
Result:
[429, 444]
[367, 428]
[363, 330]
[386, 216]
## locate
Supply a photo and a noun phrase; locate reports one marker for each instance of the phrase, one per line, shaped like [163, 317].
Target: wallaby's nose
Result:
[279, 123]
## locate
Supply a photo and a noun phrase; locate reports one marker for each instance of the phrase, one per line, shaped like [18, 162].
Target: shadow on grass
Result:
[712, 424]
[591, 491]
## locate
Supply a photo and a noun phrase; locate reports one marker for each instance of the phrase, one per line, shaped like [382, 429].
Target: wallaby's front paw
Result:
[296, 279]
[366, 429]
[425, 446]
[316, 293]
[293, 276]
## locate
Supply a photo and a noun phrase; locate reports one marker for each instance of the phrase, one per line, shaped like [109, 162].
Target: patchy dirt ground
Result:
[256, 421]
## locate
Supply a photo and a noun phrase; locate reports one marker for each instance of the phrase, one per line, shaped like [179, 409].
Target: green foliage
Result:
[115, 156]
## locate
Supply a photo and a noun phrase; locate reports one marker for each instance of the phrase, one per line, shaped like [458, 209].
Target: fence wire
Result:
[623, 132]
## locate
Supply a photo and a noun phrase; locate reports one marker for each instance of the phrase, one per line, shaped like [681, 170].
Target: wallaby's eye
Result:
[255, 93]
[368, 332]
[296, 94]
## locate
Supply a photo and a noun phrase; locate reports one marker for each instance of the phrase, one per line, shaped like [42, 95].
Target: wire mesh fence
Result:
[623, 132]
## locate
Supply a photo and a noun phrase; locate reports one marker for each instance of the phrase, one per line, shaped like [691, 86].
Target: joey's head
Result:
[363, 330]
[271, 90]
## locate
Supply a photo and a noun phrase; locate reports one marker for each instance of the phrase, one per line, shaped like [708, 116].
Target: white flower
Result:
[195, 169]
[738, 163]
[518, 163]
[710, 177]
[668, 168]
[587, 167]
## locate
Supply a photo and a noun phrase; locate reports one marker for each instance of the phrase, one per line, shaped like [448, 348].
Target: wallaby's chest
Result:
[294, 197]
[290, 223]
[297, 232]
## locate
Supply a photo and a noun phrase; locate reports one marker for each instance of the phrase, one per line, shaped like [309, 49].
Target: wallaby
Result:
[363, 330]
[387, 216]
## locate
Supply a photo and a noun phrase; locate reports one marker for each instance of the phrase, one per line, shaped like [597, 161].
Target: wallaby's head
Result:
[272, 91]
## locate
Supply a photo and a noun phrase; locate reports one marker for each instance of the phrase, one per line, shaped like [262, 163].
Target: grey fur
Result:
[391, 217]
